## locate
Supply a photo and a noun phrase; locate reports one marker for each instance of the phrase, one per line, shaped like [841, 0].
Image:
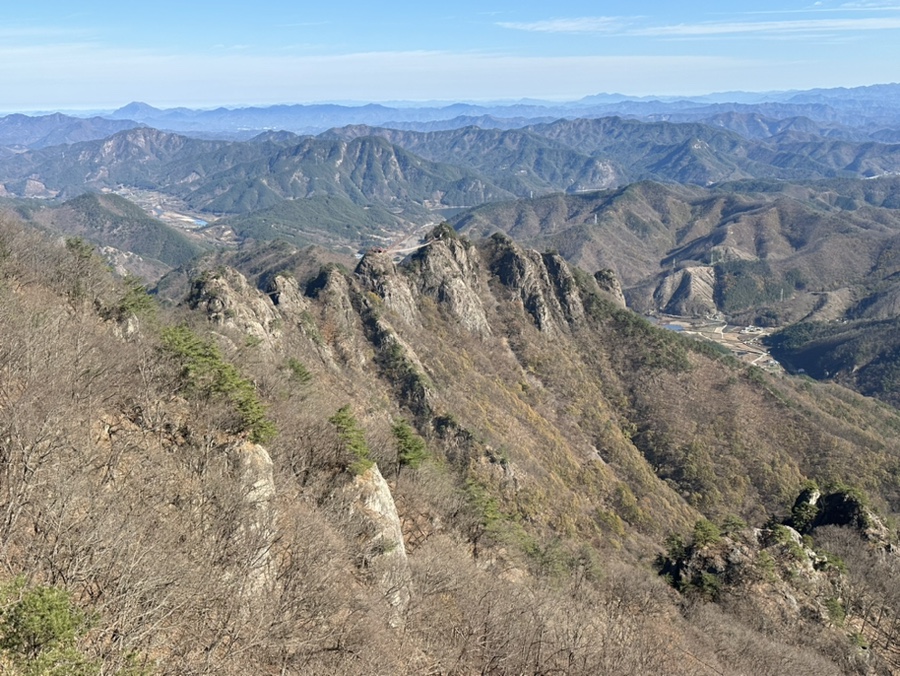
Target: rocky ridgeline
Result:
[544, 283]
[360, 309]
[352, 322]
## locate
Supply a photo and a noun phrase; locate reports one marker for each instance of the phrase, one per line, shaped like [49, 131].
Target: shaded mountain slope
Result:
[226, 177]
[582, 154]
[24, 131]
[149, 247]
[519, 161]
[863, 355]
[698, 153]
[760, 243]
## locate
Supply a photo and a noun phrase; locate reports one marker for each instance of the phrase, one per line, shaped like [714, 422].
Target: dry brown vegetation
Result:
[559, 459]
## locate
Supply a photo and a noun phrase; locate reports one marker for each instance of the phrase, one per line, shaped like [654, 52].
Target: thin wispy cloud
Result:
[872, 5]
[819, 8]
[626, 27]
[81, 75]
[799, 27]
[585, 24]
[91, 63]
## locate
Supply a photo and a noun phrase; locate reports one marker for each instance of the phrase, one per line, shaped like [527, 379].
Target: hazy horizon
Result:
[100, 55]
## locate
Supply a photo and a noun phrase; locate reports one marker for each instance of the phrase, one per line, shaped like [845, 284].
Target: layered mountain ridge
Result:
[459, 452]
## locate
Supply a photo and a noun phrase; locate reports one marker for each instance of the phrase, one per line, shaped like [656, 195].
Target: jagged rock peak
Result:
[609, 284]
[378, 274]
[450, 271]
[565, 286]
[286, 295]
[228, 299]
[544, 282]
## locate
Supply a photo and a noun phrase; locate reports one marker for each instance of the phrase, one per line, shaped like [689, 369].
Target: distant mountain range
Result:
[409, 169]
[866, 110]
[22, 131]
[229, 177]
[860, 107]
[595, 153]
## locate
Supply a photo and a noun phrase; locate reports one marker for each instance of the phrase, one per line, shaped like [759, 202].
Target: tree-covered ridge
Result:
[237, 177]
[327, 221]
[110, 220]
[591, 153]
[863, 355]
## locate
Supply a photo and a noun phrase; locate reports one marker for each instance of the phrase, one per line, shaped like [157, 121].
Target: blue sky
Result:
[102, 54]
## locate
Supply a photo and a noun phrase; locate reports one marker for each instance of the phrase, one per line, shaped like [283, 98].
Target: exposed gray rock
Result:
[378, 274]
[609, 284]
[566, 288]
[286, 296]
[449, 272]
[544, 283]
[230, 301]
[253, 467]
[341, 326]
[385, 552]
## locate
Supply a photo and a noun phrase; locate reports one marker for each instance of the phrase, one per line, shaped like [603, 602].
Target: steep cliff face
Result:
[228, 300]
[450, 272]
[285, 294]
[609, 284]
[379, 274]
[338, 321]
[543, 282]
[545, 333]
[384, 551]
